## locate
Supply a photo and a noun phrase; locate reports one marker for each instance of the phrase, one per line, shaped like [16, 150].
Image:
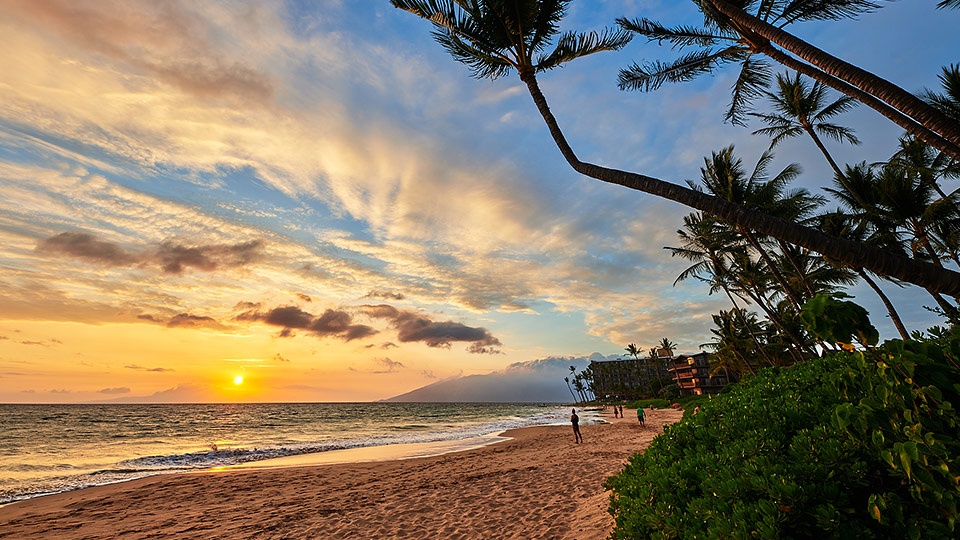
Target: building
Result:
[692, 375]
[626, 378]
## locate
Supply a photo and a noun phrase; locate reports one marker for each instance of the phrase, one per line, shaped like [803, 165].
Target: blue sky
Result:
[191, 189]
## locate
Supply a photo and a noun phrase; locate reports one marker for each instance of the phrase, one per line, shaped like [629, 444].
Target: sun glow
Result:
[238, 379]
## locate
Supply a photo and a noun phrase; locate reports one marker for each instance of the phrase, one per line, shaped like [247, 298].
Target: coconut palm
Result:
[708, 244]
[723, 175]
[949, 102]
[493, 37]
[841, 224]
[567, 380]
[800, 108]
[765, 30]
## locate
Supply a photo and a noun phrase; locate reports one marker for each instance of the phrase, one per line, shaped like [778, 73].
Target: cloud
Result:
[113, 391]
[384, 295]
[332, 323]
[154, 369]
[389, 365]
[415, 327]
[159, 39]
[171, 257]
[86, 247]
[186, 320]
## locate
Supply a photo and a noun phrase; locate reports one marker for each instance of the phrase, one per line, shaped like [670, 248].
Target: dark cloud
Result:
[415, 327]
[185, 320]
[113, 391]
[304, 297]
[332, 323]
[87, 247]
[173, 258]
[32, 343]
[385, 295]
[279, 358]
[155, 369]
[147, 317]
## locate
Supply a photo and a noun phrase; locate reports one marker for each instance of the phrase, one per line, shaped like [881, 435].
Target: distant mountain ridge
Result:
[536, 381]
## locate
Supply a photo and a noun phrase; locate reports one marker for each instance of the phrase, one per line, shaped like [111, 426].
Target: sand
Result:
[537, 484]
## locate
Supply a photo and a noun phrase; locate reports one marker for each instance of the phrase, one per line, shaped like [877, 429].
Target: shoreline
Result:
[536, 482]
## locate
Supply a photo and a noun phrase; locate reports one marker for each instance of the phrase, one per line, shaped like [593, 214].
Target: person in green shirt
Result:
[640, 416]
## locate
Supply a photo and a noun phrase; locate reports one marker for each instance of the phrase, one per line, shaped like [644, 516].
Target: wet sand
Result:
[538, 484]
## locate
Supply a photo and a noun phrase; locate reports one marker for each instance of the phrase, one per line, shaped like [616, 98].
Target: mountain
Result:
[537, 381]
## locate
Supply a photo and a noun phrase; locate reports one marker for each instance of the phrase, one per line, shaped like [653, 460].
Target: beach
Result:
[537, 484]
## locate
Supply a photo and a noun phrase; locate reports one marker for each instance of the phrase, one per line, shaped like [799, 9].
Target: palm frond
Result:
[678, 37]
[573, 45]
[837, 133]
[650, 76]
[839, 106]
[949, 4]
[827, 10]
[753, 80]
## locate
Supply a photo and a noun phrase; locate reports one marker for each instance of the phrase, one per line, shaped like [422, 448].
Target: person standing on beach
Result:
[640, 416]
[575, 420]
[615, 413]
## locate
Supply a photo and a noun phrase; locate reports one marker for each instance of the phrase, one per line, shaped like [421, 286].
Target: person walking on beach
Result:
[640, 416]
[615, 413]
[575, 420]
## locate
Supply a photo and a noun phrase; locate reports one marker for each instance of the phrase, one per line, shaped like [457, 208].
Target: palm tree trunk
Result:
[759, 299]
[791, 294]
[853, 253]
[890, 93]
[894, 316]
[753, 335]
[910, 125]
[833, 165]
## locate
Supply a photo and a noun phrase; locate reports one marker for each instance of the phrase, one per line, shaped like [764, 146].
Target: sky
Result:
[311, 201]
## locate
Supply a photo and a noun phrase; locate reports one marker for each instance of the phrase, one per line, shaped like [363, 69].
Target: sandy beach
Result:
[538, 484]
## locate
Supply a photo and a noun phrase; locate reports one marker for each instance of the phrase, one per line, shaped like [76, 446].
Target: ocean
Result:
[48, 449]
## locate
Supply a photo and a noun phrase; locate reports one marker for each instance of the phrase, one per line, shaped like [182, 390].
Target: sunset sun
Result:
[238, 379]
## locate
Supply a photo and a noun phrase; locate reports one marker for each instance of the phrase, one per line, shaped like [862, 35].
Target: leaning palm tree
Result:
[765, 30]
[799, 108]
[493, 37]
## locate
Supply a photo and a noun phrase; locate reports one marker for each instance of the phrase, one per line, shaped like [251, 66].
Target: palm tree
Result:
[709, 245]
[493, 37]
[567, 380]
[847, 78]
[800, 108]
[949, 102]
[841, 224]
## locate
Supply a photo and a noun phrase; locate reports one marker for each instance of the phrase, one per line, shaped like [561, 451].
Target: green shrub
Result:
[656, 403]
[858, 445]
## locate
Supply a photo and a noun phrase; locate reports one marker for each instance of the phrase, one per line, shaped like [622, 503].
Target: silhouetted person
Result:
[575, 420]
[616, 414]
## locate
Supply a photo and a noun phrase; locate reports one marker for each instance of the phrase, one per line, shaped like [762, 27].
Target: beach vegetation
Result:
[859, 444]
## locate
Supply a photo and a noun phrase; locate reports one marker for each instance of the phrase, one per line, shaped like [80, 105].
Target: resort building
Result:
[626, 378]
[692, 375]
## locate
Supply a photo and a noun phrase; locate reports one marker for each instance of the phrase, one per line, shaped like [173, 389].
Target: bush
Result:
[656, 403]
[858, 445]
